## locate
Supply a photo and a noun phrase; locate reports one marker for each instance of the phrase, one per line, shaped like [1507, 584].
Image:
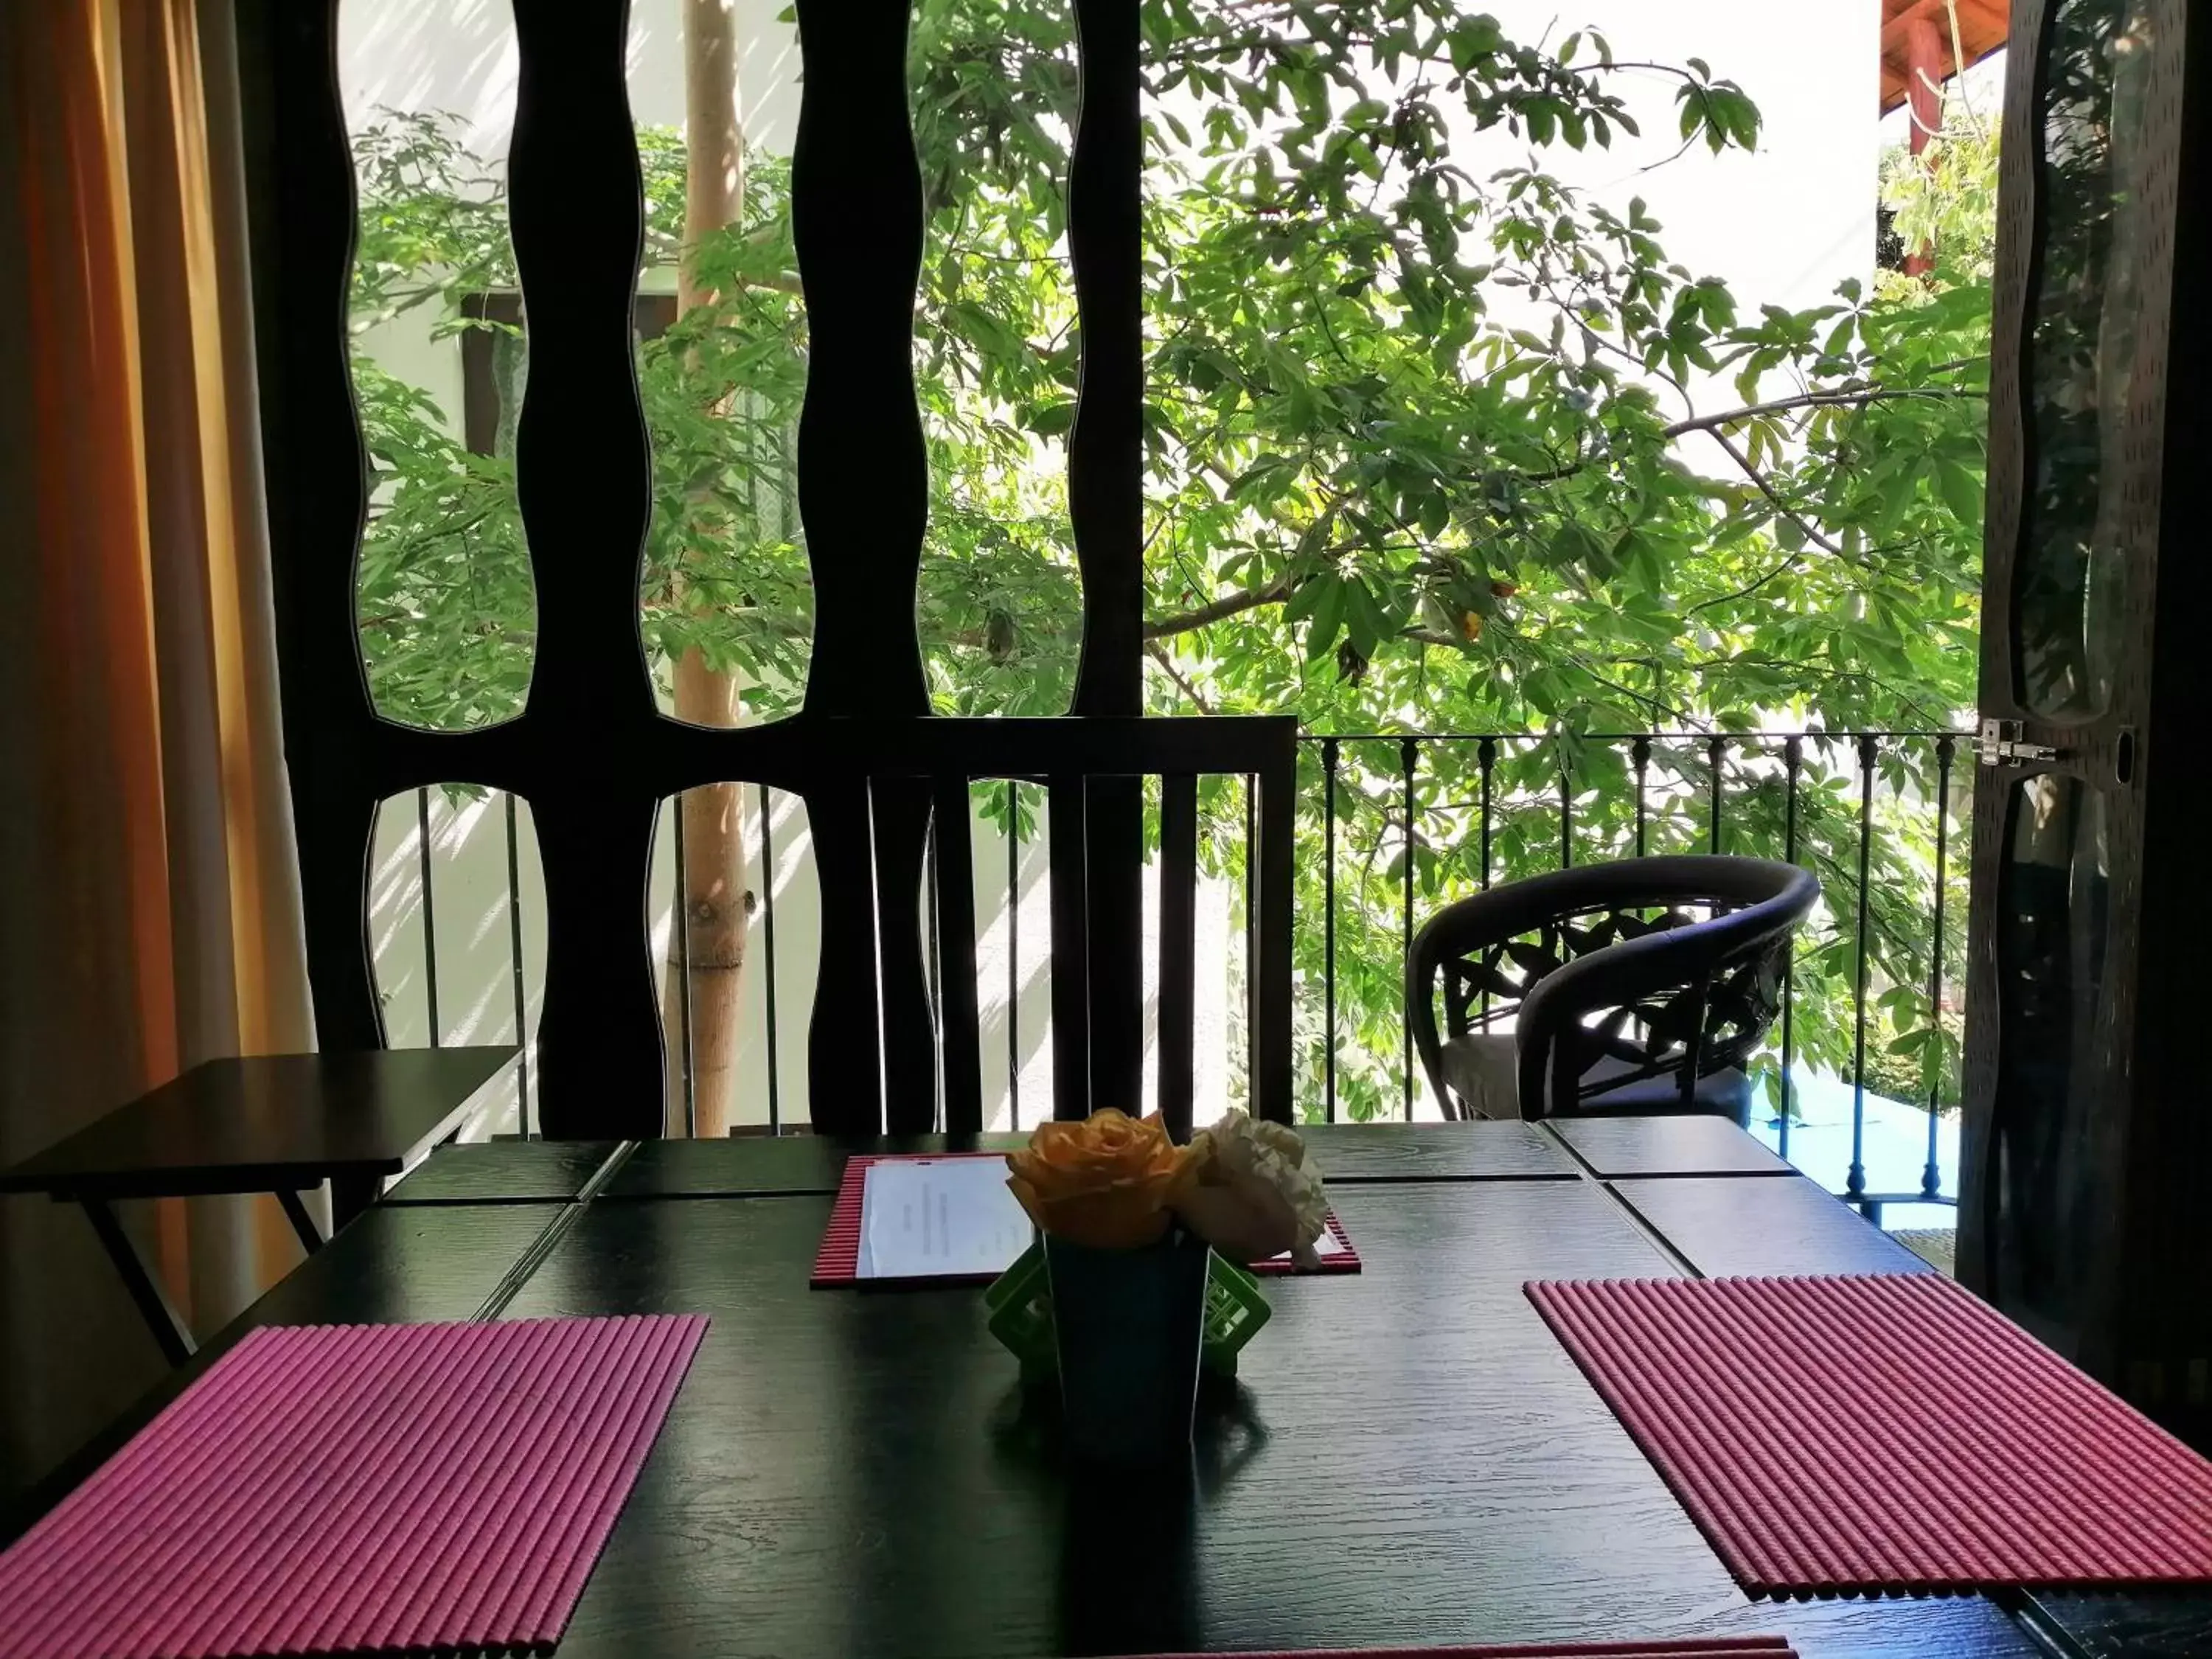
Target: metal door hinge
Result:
[2000, 745]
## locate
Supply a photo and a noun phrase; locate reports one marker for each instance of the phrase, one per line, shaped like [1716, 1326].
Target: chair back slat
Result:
[902, 843]
[1268, 957]
[1068, 862]
[1178, 966]
[583, 479]
[1112, 879]
[844, 1059]
[960, 1033]
[1105, 447]
[856, 223]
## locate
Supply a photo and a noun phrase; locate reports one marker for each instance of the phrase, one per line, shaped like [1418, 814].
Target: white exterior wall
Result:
[1782, 226]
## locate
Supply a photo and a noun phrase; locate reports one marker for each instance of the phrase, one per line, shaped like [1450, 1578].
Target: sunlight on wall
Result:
[458, 56]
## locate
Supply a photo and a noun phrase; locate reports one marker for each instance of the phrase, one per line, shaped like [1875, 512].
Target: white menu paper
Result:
[1329, 1244]
[939, 1218]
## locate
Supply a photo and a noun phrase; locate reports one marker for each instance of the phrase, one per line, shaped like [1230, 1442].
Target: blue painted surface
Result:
[1896, 1147]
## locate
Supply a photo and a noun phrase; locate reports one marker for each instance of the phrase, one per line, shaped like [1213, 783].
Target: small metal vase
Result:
[1128, 1325]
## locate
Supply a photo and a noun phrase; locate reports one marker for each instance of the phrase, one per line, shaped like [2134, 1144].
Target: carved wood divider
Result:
[592, 752]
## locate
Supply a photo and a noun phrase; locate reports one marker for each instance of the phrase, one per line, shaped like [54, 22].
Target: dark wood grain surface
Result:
[754, 1165]
[1411, 1458]
[1729, 1227]
[2175, 1626]
[502, 1172]
[1408, 1456]
[745, 1165]
[1688, 1145]
[282, 1120]
[1477, 1150]
[394, 1264]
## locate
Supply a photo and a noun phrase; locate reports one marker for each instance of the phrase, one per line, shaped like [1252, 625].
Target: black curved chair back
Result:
[591, 751]
[1610, 977]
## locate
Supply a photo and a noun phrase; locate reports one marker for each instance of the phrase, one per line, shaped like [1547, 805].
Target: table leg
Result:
[171, 1332]
[350, 1196]
[311, 1238]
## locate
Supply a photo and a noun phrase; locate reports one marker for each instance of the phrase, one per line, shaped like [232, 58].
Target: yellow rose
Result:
[1107, 1181]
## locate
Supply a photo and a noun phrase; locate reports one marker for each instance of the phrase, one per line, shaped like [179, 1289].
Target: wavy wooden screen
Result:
[592, 752]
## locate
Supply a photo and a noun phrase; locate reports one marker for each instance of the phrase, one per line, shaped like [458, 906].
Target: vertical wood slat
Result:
[844, 1056]
[900, 810]
[1114, 893]
[1105, 447]
[583, 478]
[1105, 490]
[1070, 952]
[857, 226]
[856, 219]
[1272, 1033]
[584, 486]
[960, 1033]
[300, 186]
[1178, 967]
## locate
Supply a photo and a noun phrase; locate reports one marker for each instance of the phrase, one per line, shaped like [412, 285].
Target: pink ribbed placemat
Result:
[356, 1487]
[1884, 1435]
[1725, 1647]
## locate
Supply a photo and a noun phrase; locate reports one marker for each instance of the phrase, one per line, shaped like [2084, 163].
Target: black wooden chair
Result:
[1092, 770]
[1602, 990]
[591, 752]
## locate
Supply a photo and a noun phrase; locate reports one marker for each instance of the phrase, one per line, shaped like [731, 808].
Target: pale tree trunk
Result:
[707, 934]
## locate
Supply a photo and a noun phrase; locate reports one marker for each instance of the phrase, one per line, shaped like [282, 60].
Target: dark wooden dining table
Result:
[1407, 1456]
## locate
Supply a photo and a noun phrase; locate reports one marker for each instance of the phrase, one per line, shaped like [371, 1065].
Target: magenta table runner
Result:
[1884, 1436]
[356, 1487]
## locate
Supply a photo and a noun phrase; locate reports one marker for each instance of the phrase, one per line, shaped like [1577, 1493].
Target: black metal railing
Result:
[1689, 810]
[1527, 809]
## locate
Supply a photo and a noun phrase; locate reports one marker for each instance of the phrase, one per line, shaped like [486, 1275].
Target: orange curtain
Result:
[149, 908]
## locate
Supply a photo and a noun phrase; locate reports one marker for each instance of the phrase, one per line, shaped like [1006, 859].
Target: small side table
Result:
[278, 1123]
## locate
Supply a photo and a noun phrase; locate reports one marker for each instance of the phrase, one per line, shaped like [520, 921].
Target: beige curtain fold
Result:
[149, 907]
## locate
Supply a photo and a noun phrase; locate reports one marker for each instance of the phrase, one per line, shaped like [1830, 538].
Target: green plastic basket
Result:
[1018, 1304]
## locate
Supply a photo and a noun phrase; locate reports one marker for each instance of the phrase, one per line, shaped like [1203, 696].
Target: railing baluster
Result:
[1486, 755]
[1793, 761]
[933, 945]
[515, 961]
[1328, 763]
[1409, 755]
[1855, 1188]
[1717, 762]
[1251, 936]
[1931, 1177]
[680, 924]
[1567, 811]
[1013, 955]
[767, 987]
[1640, 756]
[429, 912]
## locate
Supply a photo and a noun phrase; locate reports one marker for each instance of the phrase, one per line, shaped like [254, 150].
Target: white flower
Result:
[1257, 1194]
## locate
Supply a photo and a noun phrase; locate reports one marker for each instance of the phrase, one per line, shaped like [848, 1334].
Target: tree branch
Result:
[1812, 533]
[1220, 610]
[1159, 653]
[1849, 397]
[1429, 636]
[1789, 563]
